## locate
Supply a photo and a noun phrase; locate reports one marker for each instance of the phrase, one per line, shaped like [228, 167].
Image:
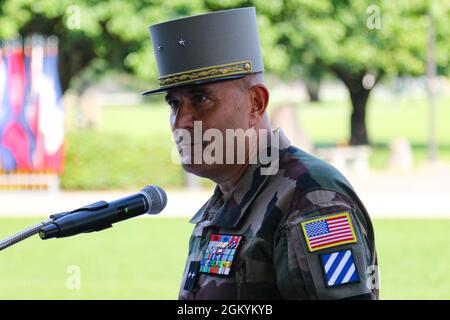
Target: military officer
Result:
[297, 232]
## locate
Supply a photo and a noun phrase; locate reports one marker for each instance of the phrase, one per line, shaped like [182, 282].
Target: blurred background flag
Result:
[3, 108]
[31, 112]
[14, 137]
[50, 128]
[8, 161]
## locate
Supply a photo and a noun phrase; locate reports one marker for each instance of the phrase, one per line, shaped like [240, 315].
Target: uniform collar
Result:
[231, 211]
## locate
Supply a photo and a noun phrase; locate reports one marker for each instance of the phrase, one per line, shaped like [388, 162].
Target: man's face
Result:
[220, 105]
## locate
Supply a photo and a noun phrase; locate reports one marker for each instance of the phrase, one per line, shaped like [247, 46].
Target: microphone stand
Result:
[23, 234]
[12, 240]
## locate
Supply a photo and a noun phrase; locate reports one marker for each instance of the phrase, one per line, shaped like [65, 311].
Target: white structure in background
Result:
[347, 159]
[400, 155]
[285, 102]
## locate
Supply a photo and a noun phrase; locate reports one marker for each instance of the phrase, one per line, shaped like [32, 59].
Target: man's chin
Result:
[201, 170]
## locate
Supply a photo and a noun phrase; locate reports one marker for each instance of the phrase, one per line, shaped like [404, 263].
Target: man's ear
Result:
[259, 95]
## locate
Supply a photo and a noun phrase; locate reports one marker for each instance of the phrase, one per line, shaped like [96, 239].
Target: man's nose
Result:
[183, 117]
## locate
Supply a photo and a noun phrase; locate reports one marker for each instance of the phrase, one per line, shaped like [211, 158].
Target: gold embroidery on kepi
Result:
[241, 67]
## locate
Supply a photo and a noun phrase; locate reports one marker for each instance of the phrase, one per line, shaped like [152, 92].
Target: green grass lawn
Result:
[144, 259]
[133, 146]
[328, 122]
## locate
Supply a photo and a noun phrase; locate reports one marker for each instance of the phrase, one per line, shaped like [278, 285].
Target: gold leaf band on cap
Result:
[241, 67]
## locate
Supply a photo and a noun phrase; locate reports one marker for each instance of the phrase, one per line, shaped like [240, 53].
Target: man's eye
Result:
[173, 104]
[199, 98]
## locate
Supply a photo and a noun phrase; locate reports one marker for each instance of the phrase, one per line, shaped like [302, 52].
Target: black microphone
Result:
[101, 215]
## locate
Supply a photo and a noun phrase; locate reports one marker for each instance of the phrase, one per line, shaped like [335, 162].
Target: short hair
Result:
[250, 80]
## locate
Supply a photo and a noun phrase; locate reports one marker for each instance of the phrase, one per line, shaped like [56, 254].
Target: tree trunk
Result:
[358, 128]
[359, 97]
[312, 88]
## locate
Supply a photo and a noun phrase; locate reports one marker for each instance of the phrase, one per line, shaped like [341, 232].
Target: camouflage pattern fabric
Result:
[273, 260]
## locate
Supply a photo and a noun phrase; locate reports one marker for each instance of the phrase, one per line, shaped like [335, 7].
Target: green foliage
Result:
[132, 148]
[303, 33]
[349, 39]
[358, 35]
[299, 38]
[111, 31]
[99, 160]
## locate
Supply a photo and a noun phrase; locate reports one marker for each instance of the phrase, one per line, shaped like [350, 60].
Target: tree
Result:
[99, 35]
[361, 41]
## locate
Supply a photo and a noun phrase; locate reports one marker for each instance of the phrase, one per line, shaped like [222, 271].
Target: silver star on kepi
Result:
[182, 42]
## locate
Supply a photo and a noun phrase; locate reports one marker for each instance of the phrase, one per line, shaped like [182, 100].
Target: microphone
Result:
[101, 215]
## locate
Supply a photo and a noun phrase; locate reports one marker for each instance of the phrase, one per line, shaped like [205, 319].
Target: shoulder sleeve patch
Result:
[329, 257]
[339, 268]
[328, 232]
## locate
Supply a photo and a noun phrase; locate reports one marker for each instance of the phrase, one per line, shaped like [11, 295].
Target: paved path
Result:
[424, 193]
[180, 202]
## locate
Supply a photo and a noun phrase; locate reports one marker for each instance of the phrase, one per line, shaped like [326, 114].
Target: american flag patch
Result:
[327, 232]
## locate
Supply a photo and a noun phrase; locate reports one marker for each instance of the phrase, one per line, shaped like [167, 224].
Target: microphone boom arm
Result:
[31, 231]
[94, 217]
[23, 234]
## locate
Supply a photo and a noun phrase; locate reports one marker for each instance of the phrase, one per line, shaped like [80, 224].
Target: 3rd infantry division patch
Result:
[339, 268]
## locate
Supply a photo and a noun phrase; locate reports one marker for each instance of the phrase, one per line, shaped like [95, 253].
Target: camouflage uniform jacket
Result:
[276, 257]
